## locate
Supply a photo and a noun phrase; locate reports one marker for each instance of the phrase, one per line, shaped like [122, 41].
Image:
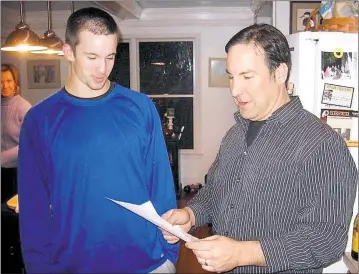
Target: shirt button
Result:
[245, 153]
[231, 206]
[226, 233]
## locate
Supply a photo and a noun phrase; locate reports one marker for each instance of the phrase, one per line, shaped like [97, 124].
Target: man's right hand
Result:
[181, 217]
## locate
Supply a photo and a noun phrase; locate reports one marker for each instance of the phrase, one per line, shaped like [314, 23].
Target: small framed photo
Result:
[217, 74]
[344, 122]
[43, 74]
[339, 65]
[336, 95]
[299, 14]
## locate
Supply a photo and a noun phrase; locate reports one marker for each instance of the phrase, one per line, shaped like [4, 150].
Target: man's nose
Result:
[237, 89]
[102, 67]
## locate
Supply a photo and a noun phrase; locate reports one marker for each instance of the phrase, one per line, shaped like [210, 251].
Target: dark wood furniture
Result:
[187, 261]
[173, 155]
[11, 257]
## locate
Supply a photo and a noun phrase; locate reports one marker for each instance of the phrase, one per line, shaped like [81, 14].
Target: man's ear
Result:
[68, 52]
[281, 73]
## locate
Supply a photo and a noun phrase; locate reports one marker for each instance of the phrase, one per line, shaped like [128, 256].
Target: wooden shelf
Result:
[173, 156]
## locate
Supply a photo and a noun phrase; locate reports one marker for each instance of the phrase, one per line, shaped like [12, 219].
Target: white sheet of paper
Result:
[147, 211]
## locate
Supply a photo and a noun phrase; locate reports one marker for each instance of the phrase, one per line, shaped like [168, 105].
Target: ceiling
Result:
[144, 4]
[129, 9]
[42, 5]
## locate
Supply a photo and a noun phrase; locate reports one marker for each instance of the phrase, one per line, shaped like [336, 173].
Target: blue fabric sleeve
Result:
[34, 207]
[159, 174]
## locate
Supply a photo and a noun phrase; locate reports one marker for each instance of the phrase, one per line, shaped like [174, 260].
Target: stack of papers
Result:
[147, 211]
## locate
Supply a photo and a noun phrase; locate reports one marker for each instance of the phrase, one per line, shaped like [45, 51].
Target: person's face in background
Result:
[8, 84]
[93, 59]
[255, 90]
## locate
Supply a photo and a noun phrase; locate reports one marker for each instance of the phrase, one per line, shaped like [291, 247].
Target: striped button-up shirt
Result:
[293, 190]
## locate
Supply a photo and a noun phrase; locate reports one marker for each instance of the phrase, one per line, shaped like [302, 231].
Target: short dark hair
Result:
[91, 19]
[15, 75]
[270, 39]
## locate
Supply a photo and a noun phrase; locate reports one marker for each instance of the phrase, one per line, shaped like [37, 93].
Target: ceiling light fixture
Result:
[158, 63]
[22, 38]
[50, 40]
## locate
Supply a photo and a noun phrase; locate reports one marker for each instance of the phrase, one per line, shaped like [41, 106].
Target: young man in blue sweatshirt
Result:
[90, 140]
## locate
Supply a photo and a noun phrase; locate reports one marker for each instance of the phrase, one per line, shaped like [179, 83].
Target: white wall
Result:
[282, 16]
[33, 95]
[212, 27]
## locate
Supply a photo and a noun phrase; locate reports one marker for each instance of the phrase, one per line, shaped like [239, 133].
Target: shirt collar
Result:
[282, 115]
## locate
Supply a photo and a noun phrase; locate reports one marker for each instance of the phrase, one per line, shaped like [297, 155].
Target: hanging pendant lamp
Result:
[22, 38]
[50, 39]
[72, 11]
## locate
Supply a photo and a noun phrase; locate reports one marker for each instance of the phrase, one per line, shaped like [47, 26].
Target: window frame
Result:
[128, 41]
[135, 79]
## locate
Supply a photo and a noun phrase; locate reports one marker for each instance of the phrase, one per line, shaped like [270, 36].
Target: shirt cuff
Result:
[200, 219]
[275, 254]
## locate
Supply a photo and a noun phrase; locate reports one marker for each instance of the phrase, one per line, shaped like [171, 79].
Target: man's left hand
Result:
[221, 254]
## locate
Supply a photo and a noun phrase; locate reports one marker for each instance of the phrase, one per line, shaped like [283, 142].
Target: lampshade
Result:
[22, 38]
[50, 40]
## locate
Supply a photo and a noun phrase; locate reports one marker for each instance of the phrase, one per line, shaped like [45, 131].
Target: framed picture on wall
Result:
[299, 14]
[217, 74]
[43, 74]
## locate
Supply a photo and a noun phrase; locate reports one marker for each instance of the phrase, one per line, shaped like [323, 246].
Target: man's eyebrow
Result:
[90, 53]
[243, 72]
[247, 71]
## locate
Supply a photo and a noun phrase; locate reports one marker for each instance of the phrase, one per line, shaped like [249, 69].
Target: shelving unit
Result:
[173, 155]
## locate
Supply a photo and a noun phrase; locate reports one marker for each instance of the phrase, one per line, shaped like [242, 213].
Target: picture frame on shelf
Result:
[217, 74]
[299, 14]
[43, 74]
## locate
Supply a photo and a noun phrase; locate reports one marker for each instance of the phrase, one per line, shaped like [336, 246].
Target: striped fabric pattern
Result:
[293, 190]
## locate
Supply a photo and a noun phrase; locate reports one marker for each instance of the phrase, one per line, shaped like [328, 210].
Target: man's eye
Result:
[247, 77]
[230, 77]
[91, 58]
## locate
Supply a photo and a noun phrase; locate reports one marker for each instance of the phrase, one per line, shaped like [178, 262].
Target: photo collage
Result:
[339, 71]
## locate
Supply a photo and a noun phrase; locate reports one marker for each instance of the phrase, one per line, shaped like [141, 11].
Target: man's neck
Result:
[282, 99]
[79, 89]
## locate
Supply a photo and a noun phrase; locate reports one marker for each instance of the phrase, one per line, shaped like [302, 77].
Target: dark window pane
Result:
[121, 70]
[166, 67]
[183, 108]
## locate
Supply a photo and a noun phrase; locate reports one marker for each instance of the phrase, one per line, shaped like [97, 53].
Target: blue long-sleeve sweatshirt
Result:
[73, 153]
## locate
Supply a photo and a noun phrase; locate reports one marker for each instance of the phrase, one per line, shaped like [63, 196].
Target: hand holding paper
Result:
[147, 211]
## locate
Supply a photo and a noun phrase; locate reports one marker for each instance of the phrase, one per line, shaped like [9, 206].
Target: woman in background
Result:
[13, 110]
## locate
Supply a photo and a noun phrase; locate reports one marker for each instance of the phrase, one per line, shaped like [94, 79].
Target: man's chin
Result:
[246, 115]
[97, 86]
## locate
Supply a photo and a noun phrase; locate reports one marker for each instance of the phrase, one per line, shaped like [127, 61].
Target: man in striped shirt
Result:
[281, 190]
